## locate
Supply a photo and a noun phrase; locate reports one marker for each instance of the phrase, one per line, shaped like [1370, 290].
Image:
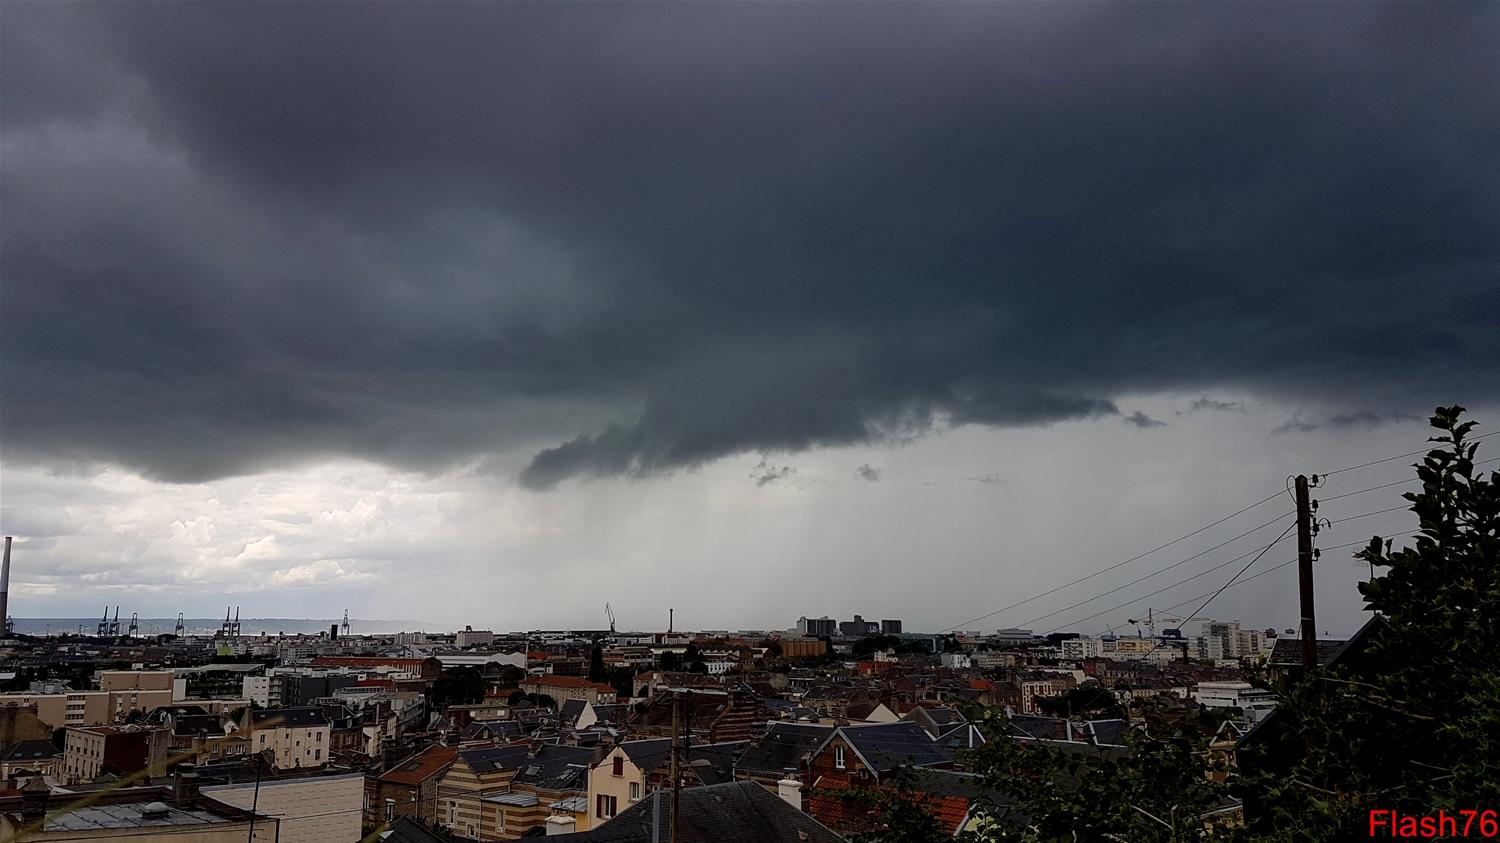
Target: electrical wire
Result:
[1134, 600]
[1120, 588]
[1242, 571]
[1396, 457]
[1101, 571]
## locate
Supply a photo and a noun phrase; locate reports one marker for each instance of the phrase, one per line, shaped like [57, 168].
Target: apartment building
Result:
[298, 737]
[89, 752]
[562, 688]
[89, 708]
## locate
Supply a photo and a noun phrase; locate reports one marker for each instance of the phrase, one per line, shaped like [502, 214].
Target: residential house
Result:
[730, 812]
[626, 772]
[40, 757]
[859, 755]
[783, 752]
[409, 788]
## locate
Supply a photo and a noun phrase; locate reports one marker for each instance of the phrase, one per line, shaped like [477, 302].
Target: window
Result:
[320, 737]
[390, 810]
[500, 821]
[838, 757]
[452, 813]
[635, 791]
[367, 803]
[604, 807]
[317, 755]
[619, 766]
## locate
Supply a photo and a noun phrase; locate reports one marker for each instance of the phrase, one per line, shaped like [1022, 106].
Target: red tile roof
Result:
[567, 682]
[417, 769]
[843, 811]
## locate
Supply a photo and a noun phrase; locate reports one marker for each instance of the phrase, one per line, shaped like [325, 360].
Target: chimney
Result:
[557, 824]
[5, 585]
[34, 798]
[184, 786]
[790, 791]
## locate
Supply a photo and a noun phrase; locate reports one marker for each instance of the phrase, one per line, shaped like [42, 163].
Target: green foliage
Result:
[1158, 791]
[456, 686]
[900, 815]
[597, 671]
[1090, 701]
[1414, 724]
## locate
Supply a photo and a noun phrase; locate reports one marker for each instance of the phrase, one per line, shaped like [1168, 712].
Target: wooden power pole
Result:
[678, 699]
[1305, 576]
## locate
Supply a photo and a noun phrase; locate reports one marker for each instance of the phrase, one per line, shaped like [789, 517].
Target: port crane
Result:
[610, 613]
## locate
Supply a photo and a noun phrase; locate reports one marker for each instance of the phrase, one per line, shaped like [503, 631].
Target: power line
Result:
[1395, 483]
[1396, 457]
[1134, 600]
[1368, 514]
[1101, 571]
[1118, 589]
[1242, 571]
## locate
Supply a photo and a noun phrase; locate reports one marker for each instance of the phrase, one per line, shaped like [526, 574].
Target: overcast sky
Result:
[490, 313]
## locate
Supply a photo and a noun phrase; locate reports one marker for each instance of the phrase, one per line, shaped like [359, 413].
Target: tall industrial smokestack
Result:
[5, 585]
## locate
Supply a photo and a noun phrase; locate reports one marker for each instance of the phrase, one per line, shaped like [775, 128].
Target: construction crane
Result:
[610, 613]
[1172, 632]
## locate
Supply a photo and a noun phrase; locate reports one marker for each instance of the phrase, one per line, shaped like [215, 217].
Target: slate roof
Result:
[884, 746]
[1288, 652]
[616, 713]
[648, 755]
[490, 759]
[30, 750]
[189, 725]
[291, 718]
[784, 748]
[733, 812]
[490, 729]
[556, 767]
[719, 758]
[570, 710]
[963, 736]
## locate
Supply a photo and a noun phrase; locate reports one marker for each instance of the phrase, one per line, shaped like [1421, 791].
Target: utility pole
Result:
[1305, 576]
[678, 698]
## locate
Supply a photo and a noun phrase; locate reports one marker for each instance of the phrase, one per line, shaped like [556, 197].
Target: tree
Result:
[1413, 724]
[456, 686]
[1087, 701]
[597, 671]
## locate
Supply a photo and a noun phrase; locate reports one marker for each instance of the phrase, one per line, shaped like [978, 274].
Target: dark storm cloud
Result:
[1206, 403]
[868, 472]
[1141, 420]
[1360, 420]
[640, 237]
